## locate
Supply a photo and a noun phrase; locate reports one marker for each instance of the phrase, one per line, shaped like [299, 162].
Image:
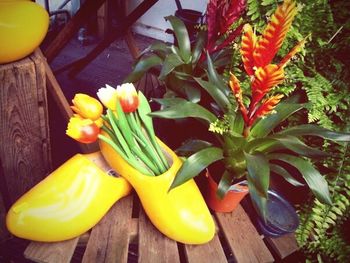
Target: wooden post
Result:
[24, 130]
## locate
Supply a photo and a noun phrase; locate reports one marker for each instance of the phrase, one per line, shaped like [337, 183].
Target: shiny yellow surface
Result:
[23, 26]
[180, 214]
[67, 203]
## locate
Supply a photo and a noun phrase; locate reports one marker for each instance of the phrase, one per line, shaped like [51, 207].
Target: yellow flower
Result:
[108, 96]
[87, 106]
[82, 130]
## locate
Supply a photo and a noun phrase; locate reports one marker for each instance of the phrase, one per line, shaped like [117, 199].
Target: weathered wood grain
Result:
[242, 237]
[109, 239]
[207, 253]
[284, 245]
[153, 246]
[25, 145]
[56, 252]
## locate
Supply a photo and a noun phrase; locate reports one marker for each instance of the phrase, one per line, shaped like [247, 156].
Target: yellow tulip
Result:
[82, 130]
[87, 106]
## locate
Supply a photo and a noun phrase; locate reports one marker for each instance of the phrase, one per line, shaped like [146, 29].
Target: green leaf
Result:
[314, 130]
[215, 78]
[168, 102]
[313, 178]
[224, 184]
[193, 94]
[285, 174]
[141, 67]
[195, 164]
[156, 47]
[182, 37]
[170, 63]
[143, 111]
[259, 202]
[264, 126]
[294, 144]
[218, 96]
[184, 109]
[258, 172]
[192, 146]
[198, 47]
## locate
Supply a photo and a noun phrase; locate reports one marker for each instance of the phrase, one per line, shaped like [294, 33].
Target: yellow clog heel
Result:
[68, 202]
[23, 26]
[181, 214]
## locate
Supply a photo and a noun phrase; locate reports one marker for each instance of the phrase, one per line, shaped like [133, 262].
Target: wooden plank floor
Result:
[126, 225]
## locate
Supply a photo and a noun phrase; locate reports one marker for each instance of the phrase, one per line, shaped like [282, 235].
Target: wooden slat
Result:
[242, 237]
[153, 246]
[207, 253]
[284, 245]
[51, 252]
[109, 239]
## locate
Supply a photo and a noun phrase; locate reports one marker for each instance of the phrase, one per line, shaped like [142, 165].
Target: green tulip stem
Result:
[132, 143]
[118, 134]
[113, 137]
[133, 162]
[148, 149]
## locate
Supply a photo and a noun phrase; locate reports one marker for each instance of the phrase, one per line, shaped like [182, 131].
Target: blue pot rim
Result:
[283, 205]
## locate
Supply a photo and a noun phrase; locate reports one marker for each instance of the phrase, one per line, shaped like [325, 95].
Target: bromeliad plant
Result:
[182, 64]
[247, 143]
[126, 123]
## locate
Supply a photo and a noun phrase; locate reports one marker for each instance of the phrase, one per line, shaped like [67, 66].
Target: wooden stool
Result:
[24, 130]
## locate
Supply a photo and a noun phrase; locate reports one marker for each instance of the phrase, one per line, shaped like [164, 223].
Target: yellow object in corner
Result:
[180, 214]
[68, 202]
[23, 26]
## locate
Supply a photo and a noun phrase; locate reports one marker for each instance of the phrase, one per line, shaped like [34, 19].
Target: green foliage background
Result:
[321, 75]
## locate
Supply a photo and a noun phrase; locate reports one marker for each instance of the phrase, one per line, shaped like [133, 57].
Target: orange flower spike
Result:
[265, 108]
[247, 49]
[291, 53]
[82, 130]
[265, 79]
[274, 34]
[87, 107]
[237, 92]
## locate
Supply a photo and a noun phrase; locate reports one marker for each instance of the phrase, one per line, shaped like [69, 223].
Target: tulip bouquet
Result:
[125, 126]
[129, 145]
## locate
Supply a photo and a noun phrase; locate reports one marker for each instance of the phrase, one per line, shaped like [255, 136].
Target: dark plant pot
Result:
[191, 19]
[281, 216]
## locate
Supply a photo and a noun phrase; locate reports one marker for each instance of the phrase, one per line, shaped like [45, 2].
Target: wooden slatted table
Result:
[126, 226]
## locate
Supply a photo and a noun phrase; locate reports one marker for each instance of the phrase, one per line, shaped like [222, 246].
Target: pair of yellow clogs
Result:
[78, 194]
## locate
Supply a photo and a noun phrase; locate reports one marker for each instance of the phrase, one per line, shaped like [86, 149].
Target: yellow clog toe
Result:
[68, 202]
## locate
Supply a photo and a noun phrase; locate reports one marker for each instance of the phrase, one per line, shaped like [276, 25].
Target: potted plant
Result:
[247, 142]
[179, 66]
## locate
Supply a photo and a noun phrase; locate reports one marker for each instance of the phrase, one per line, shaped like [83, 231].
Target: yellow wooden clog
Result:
[23, 26]
[68, 202]
[180, 214]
